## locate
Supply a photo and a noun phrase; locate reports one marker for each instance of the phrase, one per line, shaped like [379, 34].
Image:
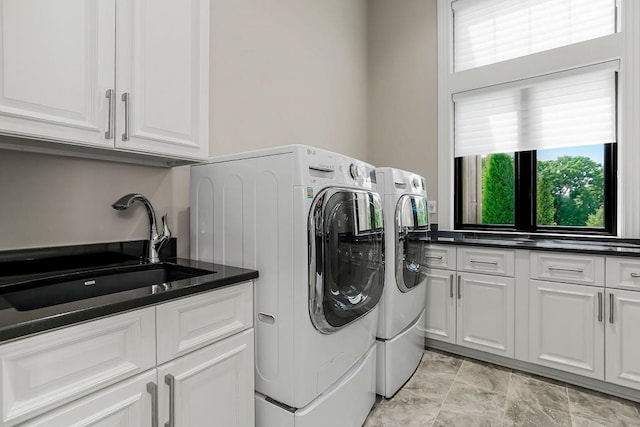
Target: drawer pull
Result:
[451, 286]
[171, 382]
[600, 307]
[126, 98]
[572, 269]
[266, 318]
[110, 94]
[438, 257]
[480, 261]
[152, 388]
[635, 274]
[611, 308]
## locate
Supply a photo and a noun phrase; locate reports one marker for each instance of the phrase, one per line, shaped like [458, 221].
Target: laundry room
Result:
[309, 213]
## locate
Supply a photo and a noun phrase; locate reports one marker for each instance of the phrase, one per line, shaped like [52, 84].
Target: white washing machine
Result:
[401, 325]
[311, 223]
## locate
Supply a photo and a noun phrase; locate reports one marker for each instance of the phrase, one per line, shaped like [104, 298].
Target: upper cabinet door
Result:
[56, 65]
[163, 76]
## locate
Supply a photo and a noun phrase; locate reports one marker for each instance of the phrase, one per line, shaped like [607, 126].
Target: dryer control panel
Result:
[324, 167]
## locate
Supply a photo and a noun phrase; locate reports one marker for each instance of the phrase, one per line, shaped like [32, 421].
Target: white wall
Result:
[282, 72]
[402, 75]
[288, 72]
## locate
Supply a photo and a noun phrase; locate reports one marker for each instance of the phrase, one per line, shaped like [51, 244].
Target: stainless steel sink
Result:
[53, 291]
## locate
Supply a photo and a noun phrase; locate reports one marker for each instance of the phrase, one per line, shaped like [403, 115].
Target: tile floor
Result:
[447, 390]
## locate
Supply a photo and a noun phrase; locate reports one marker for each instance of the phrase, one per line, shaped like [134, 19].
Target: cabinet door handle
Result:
[635, 274]
[600, 307]
[451, 286]
[480, 261]
[171, 382]
[575, 269]
[459, 295]
[112, 112]
[611, 308]
[152, 388]
[126, 98]
[434, 257]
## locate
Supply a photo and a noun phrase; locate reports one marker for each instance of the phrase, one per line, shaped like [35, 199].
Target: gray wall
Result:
[282, 72]
[403, 75]
[289, 72]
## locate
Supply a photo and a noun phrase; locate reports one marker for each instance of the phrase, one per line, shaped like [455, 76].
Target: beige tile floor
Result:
[447, 390]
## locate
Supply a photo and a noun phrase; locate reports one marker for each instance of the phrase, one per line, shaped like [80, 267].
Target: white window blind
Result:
[567, 109]
[489, 31]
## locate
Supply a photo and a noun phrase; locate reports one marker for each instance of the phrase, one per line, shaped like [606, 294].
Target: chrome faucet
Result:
[156, 241]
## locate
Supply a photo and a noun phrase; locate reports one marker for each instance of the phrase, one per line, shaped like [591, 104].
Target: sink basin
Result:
[48, 292]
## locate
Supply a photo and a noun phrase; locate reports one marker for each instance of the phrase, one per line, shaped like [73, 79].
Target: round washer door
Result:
[346, 257]
[412, 224]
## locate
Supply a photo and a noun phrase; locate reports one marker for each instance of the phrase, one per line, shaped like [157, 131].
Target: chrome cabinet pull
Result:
[611, 308]
[575, 270]
[600, 307]
[635, 274]
[126, 97]
[152, 388]
[112, 112]
[171, 382]
[434, 257]
[451, 286]
[480, 261]
[459, 295]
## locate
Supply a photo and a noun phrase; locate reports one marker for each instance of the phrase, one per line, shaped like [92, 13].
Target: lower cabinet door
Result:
[566, 327]
[622, 342]
[485, 313]
[441, 306]
[213, 386]
[126, 404]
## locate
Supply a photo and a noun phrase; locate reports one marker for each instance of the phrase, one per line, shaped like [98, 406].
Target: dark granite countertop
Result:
[18, 272]
[581, 244]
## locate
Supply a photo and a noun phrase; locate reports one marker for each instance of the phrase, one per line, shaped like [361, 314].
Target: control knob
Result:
[356, 171]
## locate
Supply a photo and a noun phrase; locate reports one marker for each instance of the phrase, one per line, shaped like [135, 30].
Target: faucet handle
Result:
[166, 233]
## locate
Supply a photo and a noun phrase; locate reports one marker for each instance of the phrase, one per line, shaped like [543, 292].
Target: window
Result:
[538, 154]
[489, 31]
[530, 92]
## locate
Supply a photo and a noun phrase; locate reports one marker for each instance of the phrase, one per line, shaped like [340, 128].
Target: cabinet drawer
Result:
[193, 322]
[440, 256]
[623, 273]
[487, 261]
[44, 371]
[561, 267]
[126, 404]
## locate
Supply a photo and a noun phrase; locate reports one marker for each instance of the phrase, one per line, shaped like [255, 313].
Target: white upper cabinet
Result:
[162, 77]
[130, 75]
[56, 64]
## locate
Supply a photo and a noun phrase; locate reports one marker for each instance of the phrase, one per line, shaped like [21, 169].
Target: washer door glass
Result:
[346, 236]
[412, 224]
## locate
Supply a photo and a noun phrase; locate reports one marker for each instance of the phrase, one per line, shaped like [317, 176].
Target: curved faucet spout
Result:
[156, 241]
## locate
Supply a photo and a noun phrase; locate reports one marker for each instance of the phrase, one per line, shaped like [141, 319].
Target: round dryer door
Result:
[412, 224]
[346, 257]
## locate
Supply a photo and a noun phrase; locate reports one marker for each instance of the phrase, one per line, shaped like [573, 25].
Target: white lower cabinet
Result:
[485, 315]
[566, 327]
[104, 372]
[621, 336]
[470, 309]
[215, 382]
[441, 306]
[580, 312]
[127, 404]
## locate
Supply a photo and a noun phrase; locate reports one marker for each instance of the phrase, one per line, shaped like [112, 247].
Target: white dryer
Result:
[310, 222]
[401, 325]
